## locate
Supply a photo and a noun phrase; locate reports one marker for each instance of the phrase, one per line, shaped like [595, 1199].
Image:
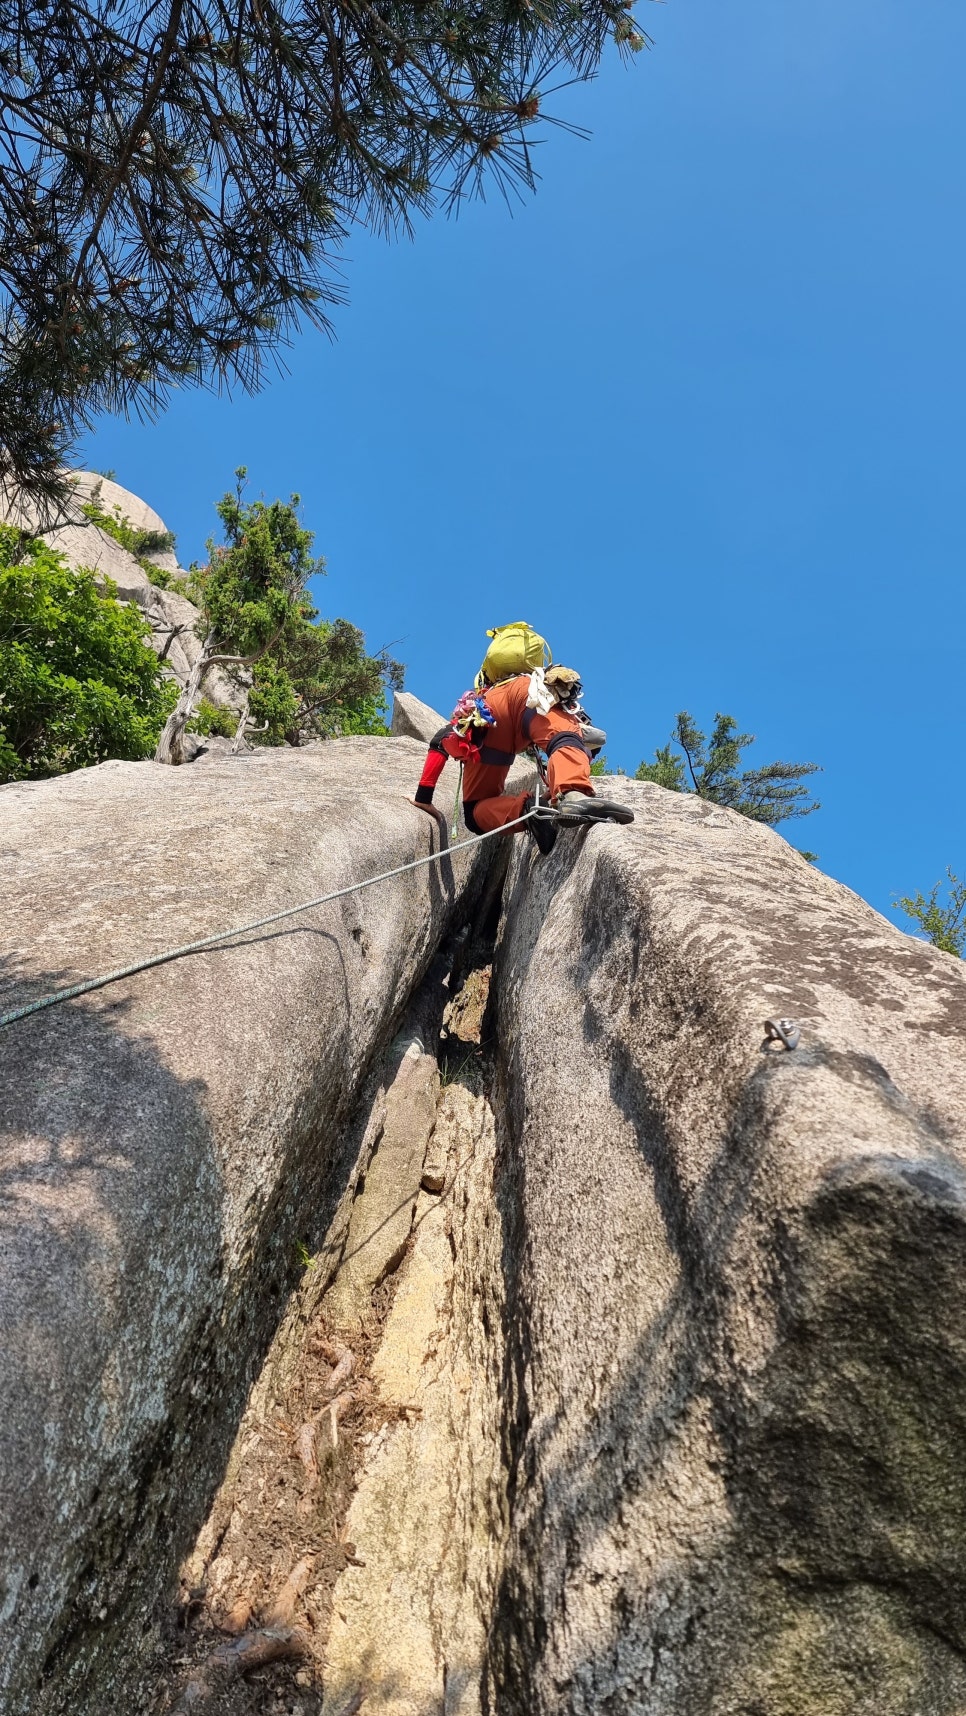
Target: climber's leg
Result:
[483, 815]
[568, 771]
[568, 759]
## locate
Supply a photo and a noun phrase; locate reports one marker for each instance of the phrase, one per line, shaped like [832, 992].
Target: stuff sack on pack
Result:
[516, 648]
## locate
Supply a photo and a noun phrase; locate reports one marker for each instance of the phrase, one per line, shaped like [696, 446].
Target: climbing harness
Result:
[469, 722]
[245, 929]
[784, 1031]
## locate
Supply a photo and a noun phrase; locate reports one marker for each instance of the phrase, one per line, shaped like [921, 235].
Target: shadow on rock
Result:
[736, 1350]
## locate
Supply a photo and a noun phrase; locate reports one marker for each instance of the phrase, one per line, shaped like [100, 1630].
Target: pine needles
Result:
[177, 176]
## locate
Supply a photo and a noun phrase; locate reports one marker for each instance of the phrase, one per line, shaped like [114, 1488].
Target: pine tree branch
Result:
[687, 753]
[135, 133]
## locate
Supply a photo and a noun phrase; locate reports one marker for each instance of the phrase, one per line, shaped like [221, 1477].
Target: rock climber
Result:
[521, 701]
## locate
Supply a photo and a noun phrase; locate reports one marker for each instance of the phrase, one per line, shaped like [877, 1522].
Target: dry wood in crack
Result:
[231, 1661]
[257, 1596]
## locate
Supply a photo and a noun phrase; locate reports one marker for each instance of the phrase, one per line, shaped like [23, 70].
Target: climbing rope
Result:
[244, 929]
[455, 823]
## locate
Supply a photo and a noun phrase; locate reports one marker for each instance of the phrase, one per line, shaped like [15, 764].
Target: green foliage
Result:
[210, 718]
[771, 794]
[138, 543]
[253, 584]
[274, 703]
[10, 769]
[667, 770]
[78, 682]
[341, 689]
[309, 677]
[367, 716]
[600, 766]
[942, 924]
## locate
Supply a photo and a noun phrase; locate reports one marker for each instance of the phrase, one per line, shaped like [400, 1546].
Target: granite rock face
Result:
[412, 719]
[676, 1362]
[112, 498]
[736, 1392]
[162, 1140]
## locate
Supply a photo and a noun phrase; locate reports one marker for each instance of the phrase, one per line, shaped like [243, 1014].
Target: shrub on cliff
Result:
[78, 681]
[941, 921]
[139, 543]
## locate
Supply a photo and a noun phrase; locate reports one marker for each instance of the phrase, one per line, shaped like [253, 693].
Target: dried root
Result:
[306, 1440]
[334, 1409]
[305, 1443]
[282, 1611]
[231, 1661]
[343, 1370]
[332, 1351]
[238, 1617]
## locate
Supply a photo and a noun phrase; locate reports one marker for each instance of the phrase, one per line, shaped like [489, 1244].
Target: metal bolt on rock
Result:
[784, 1031]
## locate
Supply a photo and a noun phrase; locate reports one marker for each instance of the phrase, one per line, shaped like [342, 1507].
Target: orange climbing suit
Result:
[558, 734]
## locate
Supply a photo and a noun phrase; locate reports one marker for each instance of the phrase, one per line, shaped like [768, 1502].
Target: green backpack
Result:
[516, 648]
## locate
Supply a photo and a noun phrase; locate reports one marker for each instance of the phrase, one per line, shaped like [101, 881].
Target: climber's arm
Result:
[443, 744]
[432, 768]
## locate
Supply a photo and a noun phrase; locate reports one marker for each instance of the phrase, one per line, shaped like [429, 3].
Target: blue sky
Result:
[696, 411]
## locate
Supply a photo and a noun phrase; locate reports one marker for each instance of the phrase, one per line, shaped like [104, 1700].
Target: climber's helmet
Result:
[565, 685]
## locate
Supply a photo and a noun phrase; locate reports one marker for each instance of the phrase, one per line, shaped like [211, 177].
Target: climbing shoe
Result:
[574, 807]
[542, 828]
